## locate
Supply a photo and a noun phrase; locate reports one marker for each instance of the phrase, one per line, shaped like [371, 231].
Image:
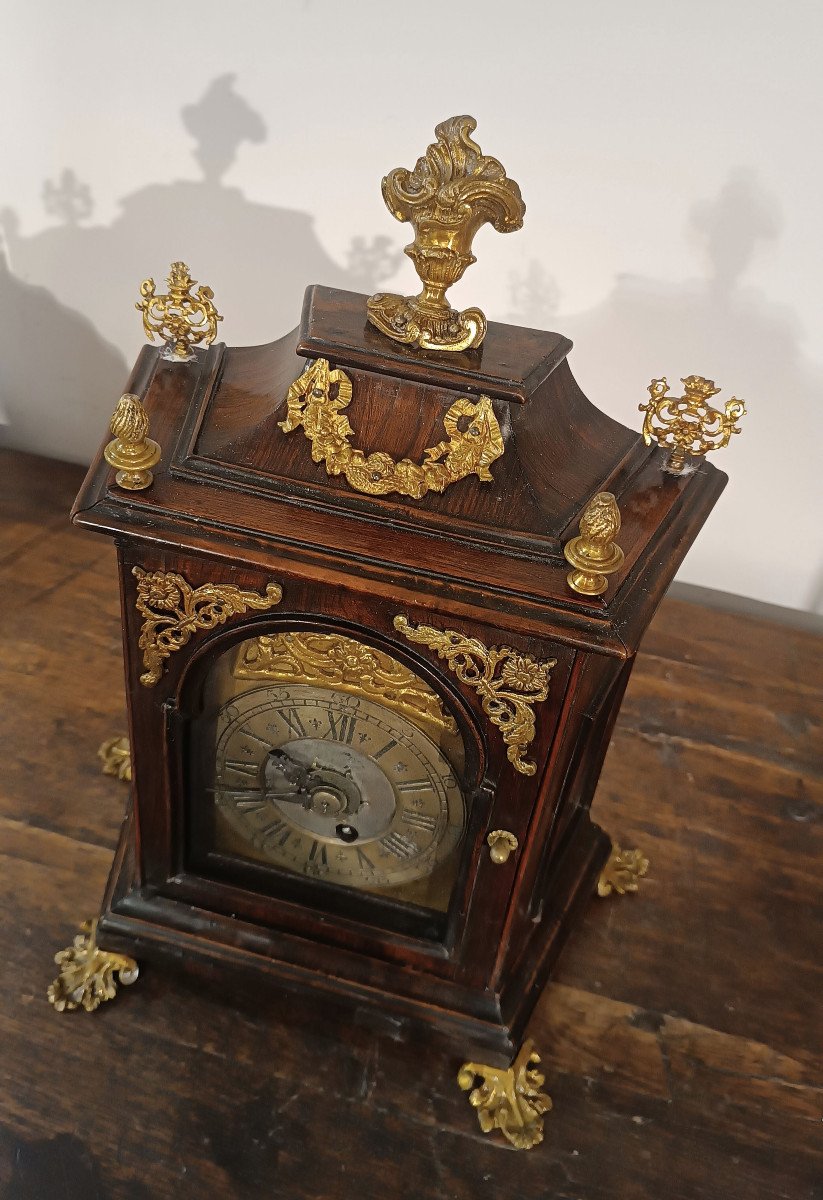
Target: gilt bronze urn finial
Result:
[452, 191]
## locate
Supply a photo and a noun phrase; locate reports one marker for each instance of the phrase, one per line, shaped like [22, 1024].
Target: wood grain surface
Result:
[681, 1037]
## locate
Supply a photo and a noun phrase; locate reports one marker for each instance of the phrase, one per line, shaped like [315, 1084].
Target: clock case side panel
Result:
[566, 844]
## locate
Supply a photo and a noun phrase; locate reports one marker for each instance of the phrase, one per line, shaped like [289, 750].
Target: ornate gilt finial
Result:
[132, 452]
[179, 318]
[87, 973]
[687, 425]
[594, 554]
[450, 194]
[509, 1098]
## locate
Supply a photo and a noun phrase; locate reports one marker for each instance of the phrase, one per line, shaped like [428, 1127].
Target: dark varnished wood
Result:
[680, 1036]
[236, 499]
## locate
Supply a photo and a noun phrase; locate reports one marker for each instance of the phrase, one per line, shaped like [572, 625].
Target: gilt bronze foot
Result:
[622, 871]
[509, 1098]
[87, 973]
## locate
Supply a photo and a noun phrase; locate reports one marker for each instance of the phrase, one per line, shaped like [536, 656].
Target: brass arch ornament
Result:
[453, 190]
[316, 401]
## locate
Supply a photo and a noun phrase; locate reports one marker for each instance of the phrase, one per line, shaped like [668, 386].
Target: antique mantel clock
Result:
[377, 628]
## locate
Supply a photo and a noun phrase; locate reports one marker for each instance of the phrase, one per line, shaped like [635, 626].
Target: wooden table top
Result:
[681, 1037]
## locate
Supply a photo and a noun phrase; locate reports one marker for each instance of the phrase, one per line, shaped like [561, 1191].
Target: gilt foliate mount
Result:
[173, 611]
[452, 191]
[508, 683]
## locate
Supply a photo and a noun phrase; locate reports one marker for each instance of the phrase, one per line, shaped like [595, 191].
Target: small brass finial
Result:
[131, 452]
[594, 553]
[687, 425]
[452, 191]
[179, 318]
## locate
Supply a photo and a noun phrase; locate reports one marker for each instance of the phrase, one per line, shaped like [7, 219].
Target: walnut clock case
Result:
[368, 700]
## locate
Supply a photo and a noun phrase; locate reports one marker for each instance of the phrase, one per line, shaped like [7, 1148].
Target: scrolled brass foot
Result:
[509, 1098]
[623, 870]
[115, 755]
[87, 973]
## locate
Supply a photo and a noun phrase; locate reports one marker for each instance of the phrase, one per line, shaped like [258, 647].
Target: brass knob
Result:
[501, 844]
[687, 425]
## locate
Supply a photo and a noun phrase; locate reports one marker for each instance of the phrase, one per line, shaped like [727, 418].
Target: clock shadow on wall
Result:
[710, 320]
[57, 402]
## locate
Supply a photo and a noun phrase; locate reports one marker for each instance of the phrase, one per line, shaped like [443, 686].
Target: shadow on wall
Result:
[258, 259]
[719, 327]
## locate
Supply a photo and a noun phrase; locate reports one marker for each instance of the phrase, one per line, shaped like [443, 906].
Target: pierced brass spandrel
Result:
[687, 425]
[452, 191]
[316, 401]
[174, 610]
[508, 683]
[594, 554]
[87, 973]
[115, 755]
[180, 318]
[131, 452]
[622, 872]
[330, 660]
[509, 1098]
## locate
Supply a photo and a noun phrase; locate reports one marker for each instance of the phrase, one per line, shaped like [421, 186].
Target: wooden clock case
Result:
[237, 500]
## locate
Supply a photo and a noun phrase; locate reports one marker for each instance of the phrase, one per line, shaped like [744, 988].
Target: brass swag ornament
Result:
[179, 318]
[507, 682]
[594, 554]
[174, 610]
[131, 452]
[316, 401]
[687, 425]
[452, 191]
[509, 1098]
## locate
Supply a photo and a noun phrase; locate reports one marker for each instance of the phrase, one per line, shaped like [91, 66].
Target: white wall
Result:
[669, 156]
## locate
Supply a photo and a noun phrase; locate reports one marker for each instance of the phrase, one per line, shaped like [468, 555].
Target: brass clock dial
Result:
[335, 786]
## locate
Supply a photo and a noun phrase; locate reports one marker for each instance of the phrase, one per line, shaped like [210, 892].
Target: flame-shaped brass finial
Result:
[132, 452]
[452, 191]
[594, 554]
